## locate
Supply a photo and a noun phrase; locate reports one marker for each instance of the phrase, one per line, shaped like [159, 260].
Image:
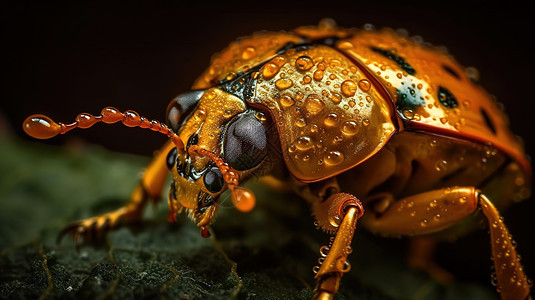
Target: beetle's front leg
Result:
[435, 210]
[342, 210]
[149, 187]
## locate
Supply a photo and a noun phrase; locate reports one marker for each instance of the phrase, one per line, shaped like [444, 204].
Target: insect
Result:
[336, 114]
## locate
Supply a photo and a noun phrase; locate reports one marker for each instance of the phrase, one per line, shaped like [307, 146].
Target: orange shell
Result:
[304, 96]
[475, 115]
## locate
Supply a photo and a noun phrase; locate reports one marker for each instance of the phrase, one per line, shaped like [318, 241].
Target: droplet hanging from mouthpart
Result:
[205, 233]
[243, 199]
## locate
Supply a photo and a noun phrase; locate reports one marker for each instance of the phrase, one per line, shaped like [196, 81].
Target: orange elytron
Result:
[337, 114]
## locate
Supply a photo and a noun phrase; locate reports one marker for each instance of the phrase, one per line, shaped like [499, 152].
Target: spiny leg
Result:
[344, 210]
[149, 187]
[511, 281]
[436, 210]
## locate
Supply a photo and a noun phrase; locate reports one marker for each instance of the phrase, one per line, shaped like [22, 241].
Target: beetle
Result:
[336, 114]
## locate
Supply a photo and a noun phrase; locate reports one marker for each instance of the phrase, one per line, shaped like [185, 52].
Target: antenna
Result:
[43, 127]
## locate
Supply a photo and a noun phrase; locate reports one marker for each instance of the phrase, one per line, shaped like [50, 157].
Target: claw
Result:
[86, 230]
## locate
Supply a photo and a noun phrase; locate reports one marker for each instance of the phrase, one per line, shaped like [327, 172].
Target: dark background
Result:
[61, 59]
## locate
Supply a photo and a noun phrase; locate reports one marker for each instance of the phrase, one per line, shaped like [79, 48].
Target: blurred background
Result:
[63, 59]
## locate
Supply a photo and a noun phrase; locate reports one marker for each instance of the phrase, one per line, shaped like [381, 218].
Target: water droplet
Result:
[333, 158]
[313, 104]
[364, 85]
[466, 104]
[365, 122]
[269, 70]
[335, 221]
[304, 143]
[211, 95]
[286, 100]
[493, 279]
[408, 113]
[441, 165]
[307, 79]
[304, 63]
[324, 250]
[318, 75]
[348, 88]
[472, 74]
[230, 76]
[283, 83]
[200, 115]
[291, 148]
[350, 128]
[316, 269]
[248, 53]
[300, 122]
[335, 98]
[331, 120]
[345, 45]
[335, 63]
[343, 265]
[424, 223]
[260, 116]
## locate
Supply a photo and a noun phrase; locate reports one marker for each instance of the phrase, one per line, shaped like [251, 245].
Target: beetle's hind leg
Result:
[149, 188]
[435, 210]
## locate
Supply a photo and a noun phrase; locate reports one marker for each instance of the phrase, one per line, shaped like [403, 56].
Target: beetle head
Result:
[226, 143]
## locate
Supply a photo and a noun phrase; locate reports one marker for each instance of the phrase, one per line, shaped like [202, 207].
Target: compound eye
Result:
[213, 180]
[245, 143]
[180, 107]
[171, 158]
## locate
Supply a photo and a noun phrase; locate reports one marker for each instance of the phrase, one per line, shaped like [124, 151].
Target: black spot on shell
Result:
[488, 121]
[446, 98]
[400, 61]
[451, 71]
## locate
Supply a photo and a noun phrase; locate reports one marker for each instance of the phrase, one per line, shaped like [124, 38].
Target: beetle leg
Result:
[436, 210]
[344, 210]
[420, 256]
[149, 187]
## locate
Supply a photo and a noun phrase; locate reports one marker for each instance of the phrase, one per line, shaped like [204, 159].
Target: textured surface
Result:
[265, 254]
